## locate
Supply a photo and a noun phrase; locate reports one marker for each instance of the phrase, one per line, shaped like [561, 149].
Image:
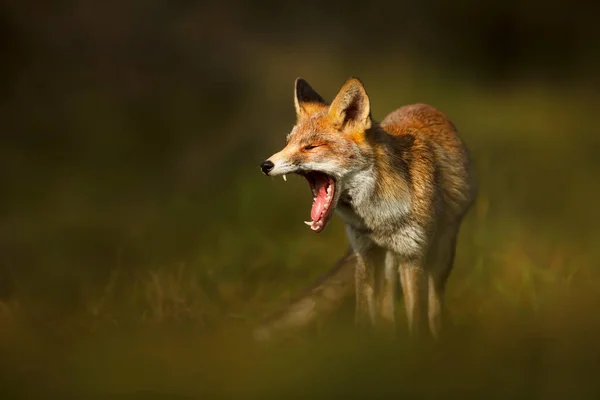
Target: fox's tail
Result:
[321, 298]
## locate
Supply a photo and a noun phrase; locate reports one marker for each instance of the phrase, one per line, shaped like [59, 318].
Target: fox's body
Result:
[401, 187]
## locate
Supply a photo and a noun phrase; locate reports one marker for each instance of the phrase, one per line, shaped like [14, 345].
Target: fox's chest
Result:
[387, 226]
[359, 217]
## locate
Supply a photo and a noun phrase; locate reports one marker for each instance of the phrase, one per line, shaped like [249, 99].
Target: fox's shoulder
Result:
[415, 117]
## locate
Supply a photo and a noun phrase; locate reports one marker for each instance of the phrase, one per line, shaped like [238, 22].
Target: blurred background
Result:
[132, 201]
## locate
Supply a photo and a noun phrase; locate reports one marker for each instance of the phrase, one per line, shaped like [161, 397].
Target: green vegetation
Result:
[196, 265]
[139, 242]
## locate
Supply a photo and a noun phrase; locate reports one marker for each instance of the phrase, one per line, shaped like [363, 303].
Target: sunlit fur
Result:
[402, 189]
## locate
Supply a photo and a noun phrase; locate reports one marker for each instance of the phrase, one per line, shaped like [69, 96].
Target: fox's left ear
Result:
[351, 106]
[306, 100]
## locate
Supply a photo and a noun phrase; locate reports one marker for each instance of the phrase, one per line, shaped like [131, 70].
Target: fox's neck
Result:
[383, 183]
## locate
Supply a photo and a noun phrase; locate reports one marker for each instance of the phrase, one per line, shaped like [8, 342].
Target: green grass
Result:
[170, 310]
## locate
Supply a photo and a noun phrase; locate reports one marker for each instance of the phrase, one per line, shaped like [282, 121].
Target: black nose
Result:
[266, 167]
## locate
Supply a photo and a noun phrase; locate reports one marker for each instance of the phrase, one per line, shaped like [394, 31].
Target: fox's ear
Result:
[351, 106]
[306, 100]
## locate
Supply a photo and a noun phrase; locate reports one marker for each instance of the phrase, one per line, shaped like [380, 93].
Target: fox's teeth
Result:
[309, 223]
[284, 178]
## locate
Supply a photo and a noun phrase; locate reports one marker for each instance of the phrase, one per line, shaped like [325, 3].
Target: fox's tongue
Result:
[321, 199]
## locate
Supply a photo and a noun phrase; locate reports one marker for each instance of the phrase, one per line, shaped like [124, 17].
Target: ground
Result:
[522, 299]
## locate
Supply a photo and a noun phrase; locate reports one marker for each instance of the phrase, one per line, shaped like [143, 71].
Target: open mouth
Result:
[323, 190]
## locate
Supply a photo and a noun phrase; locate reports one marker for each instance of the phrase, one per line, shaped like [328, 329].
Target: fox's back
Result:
[437, 155]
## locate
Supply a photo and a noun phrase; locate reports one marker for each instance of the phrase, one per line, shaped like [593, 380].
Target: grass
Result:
[169, 312]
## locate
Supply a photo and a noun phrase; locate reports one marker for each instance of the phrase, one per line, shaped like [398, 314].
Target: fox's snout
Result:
[266, 166]
[280, 163]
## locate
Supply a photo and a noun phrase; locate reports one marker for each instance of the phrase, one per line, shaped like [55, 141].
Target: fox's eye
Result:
[311, 146]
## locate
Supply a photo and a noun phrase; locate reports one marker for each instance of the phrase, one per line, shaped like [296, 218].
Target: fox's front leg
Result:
[386, 292]
[370, 258]
[365, 290]
[414, 286]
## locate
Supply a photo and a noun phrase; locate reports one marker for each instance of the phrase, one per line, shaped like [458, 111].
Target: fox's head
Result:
[327, 145]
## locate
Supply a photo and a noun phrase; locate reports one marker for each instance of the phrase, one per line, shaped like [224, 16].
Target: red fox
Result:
[402, 188]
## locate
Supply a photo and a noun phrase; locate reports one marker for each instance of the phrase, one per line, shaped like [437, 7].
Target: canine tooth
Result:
[284, 178]
[309, 223]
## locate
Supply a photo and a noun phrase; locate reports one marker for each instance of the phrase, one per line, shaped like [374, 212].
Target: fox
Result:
[401, 187]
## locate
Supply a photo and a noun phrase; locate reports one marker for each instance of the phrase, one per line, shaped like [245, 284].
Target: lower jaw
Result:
[318, 226]
[321, 224]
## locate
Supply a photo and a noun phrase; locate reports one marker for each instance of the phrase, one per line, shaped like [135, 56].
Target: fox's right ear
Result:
[306, 100]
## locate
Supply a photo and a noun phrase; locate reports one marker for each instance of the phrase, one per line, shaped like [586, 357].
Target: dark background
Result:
[131, 133]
